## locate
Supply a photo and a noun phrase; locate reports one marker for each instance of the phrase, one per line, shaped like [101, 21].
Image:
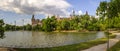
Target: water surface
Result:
[29, 39]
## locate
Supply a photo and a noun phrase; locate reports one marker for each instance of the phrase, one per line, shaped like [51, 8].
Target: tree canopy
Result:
[1, 29]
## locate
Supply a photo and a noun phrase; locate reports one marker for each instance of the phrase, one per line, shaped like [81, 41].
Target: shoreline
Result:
[56, 47]
[63, 31]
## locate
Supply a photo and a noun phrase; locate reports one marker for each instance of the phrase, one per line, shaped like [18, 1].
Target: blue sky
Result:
[78, 5]
[85, 5]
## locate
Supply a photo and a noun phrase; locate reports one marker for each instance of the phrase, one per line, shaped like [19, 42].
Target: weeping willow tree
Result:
[1, 28]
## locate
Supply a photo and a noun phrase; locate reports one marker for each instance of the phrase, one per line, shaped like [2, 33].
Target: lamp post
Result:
[23, 24]
[15, 25]
[108, 28]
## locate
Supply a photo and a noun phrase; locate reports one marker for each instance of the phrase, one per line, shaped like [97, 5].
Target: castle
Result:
[39, 22]
[35, 21]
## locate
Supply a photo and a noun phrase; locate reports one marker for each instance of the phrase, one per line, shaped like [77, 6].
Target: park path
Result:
[103, 47]
[7, 49]
[3, 49]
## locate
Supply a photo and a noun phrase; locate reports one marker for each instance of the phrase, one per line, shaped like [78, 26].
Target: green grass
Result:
[73, 47]
[116, 47]
[110, 35]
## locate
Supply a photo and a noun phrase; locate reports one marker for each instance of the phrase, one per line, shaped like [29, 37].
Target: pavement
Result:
[103, 47]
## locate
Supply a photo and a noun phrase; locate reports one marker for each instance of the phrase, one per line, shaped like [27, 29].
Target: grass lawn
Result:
[116, 47]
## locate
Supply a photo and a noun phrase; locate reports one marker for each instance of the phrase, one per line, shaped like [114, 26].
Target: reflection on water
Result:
[29, 39]
[2, 35]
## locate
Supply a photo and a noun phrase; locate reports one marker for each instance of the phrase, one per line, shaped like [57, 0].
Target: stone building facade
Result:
[35, 21]
[39, 22]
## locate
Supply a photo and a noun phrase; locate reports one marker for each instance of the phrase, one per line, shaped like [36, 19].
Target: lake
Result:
[32, 39]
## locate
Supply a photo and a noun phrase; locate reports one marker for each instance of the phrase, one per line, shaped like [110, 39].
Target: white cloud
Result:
[96, 16]
[45, 7]
[80, 12]
[20, 22]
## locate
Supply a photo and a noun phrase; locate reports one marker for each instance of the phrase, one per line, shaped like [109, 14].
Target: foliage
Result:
[110, 9]
[49, 24]
[65, 25]
[114, 8]
[116, 47]
[35, 28]
[108, 12]
[102, 9]
[1, 29]
[80, 23]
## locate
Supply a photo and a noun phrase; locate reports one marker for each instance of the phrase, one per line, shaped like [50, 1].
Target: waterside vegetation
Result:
[108, 12]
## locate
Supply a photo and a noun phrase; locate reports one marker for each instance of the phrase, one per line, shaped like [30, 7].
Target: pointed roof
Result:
[73, 12]
[86, 13]
[33, 16]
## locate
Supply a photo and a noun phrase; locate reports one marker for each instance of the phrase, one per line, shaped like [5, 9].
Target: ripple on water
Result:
[30, 39]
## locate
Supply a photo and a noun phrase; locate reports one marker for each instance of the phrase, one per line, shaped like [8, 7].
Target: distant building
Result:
[69, 18]
[58, 18]
[35, 21]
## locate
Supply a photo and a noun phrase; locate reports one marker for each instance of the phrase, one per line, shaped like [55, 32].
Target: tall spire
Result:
[73, 12]
[86, 13]
[33, 16]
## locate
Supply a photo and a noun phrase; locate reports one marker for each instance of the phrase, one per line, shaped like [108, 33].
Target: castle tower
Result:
[73, 12]
[57, 17]
[86, 13]
[33, 16]
[33, 19]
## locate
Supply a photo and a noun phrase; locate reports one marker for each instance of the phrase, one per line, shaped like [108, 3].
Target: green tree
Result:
[102, 9]
[65, 24]
[1, 29]
[114, 8]
[109, 9]
[7, 27]
[36, 27]
[49, 24]
[28, 27]
[59, 27]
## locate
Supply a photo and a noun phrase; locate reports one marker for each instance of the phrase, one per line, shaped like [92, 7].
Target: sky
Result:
[17, 10]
